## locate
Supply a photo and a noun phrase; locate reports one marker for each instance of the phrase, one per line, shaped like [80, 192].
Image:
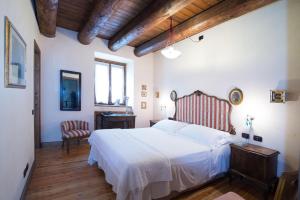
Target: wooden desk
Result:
[255, 163]
[104, 120]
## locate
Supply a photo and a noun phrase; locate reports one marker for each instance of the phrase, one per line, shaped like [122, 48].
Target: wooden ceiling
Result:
[142, 24]
[73, 14]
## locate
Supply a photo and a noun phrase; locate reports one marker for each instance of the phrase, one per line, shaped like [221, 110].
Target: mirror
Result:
[70, 91]
[173, 95]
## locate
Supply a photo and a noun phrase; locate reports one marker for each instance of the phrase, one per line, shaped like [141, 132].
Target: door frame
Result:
[37, 112]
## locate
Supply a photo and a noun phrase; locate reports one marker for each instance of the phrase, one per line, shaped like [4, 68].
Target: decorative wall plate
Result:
[173, 95]
[236, 96]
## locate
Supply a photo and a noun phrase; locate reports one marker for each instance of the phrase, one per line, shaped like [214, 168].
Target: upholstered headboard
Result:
[202, 109]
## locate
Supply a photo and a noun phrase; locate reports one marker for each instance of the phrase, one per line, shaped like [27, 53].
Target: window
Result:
[110, 82]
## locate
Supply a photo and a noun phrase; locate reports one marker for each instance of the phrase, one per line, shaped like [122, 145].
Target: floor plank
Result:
[63, 176]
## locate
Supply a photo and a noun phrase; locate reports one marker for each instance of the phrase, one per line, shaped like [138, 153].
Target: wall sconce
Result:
[278, 96]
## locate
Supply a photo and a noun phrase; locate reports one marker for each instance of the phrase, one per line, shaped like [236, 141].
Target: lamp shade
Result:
[170, 52]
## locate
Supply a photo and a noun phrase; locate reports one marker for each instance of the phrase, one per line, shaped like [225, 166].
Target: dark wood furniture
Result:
[287, 186]
[109, 120]
[255, 163]
[152, 122]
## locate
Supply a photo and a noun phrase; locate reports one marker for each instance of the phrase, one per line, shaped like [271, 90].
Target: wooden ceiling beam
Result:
[151, 16]
[46, 15]
[103, 10]
[221, 12]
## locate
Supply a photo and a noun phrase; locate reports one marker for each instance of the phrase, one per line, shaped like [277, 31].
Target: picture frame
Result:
[157, 94]
[144, 94]
[144, 105]
[173, 95]
[144, 87]
[15, 57]
[70, 90]
[236, 96]
[277, 96]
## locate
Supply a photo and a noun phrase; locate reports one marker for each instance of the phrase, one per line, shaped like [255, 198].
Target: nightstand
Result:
[152, 122]
[255, 163]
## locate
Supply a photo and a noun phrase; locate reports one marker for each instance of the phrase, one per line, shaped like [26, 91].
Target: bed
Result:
[173, 155]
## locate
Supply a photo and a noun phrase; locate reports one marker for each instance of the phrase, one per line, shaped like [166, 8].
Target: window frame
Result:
[109, 62]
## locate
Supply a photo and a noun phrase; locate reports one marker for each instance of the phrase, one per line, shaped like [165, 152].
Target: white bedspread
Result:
[135, 159]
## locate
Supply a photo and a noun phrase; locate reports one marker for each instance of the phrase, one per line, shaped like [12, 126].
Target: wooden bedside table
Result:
[255, 163]
[152, 122]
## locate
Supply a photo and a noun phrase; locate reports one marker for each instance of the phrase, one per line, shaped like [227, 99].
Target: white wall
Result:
[256, 52]
[16, 129]
[65, 52]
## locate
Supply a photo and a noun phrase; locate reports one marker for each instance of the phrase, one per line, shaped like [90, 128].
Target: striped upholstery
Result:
[75, 128]
[83, 125]
[76, 133]
[70, 125]
[199, 108]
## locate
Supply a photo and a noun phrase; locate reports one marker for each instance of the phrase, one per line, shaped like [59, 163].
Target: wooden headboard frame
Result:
[202, 109]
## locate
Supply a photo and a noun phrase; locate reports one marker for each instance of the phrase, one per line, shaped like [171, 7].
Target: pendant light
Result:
[170, 52]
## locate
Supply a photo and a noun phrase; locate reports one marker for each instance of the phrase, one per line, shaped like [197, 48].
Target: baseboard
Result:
[59, 143]
[27, 181]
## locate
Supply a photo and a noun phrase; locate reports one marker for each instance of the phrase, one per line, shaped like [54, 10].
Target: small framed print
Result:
[156, 94]
[143, 105]
[144, 87]
[277, 96]
[144, 94]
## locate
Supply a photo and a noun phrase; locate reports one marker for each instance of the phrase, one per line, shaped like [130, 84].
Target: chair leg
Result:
[68, 146]
[63, 144]
[78, 141]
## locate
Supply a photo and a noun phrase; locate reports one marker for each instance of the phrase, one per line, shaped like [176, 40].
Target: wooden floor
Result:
[61, 176]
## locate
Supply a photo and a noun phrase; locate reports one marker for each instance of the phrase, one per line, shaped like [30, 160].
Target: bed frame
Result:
[202, 109]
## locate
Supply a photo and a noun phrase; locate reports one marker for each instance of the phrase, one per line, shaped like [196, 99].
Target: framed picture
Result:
[156, 94]
[143, 105]
[173, 95]
[144, 87]
[277, 96]
[15, 57]
[236, 96]
[144, 94]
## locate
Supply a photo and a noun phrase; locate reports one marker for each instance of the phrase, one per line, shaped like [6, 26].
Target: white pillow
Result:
[169, 126]
[205, 135]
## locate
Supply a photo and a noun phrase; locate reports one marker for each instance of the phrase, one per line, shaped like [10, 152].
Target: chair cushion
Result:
[76, 133]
